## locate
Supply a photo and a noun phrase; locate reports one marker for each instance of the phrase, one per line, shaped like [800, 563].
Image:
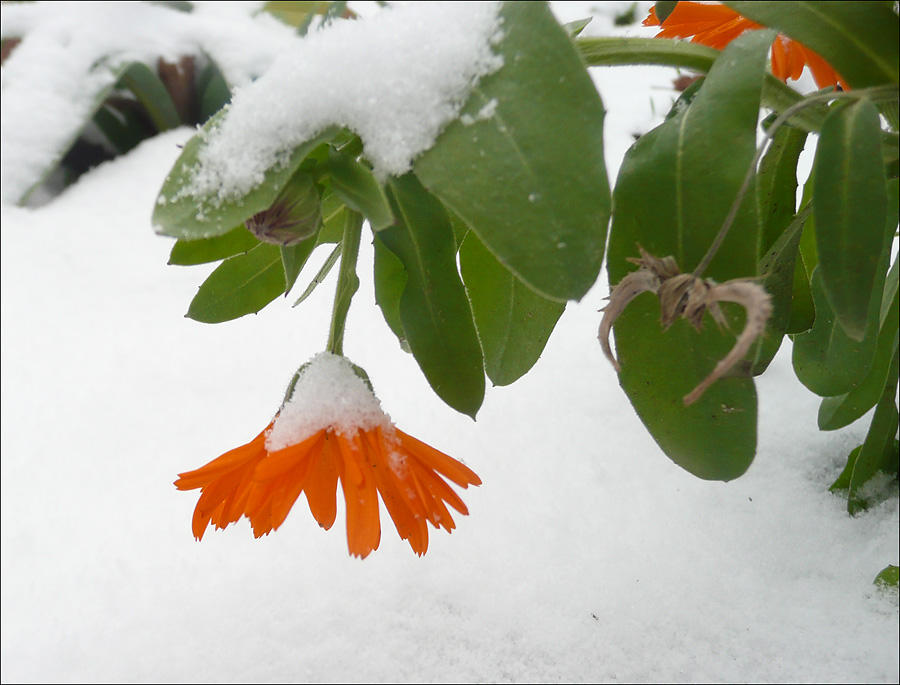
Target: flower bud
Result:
[294, 216]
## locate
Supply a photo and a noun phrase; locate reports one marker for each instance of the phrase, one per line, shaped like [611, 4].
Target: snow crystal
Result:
[328, 394]
[395, 78]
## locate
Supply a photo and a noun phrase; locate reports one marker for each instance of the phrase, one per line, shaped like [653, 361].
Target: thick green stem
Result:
[348, 282]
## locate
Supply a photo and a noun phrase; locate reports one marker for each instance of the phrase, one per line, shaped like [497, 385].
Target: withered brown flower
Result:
[689, 296]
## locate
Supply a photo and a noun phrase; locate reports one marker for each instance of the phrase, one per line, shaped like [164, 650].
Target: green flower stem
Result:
[348, 282]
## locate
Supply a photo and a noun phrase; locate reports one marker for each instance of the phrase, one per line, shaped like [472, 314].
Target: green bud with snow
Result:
[295, 215]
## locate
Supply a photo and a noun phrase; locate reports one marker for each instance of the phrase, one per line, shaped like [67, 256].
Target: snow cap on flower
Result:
[328, 393]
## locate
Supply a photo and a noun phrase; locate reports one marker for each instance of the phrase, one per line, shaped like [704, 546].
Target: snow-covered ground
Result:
[587, 555]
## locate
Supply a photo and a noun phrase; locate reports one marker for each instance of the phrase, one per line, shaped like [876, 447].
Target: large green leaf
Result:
[825, 359]
[675, 187]
[513, 322]
[190, 252]
[858, 39]
[433, 308]
[240, 285]
[181, 215]
[850, 202]
[523, 166]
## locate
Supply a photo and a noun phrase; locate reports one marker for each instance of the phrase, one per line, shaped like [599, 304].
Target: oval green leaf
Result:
[850, 202]
[523, 165]
[433, 308]
[239, 286]
[513, 322]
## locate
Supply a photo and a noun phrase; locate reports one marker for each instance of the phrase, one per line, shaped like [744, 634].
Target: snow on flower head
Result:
[328, 394]
[395, 78]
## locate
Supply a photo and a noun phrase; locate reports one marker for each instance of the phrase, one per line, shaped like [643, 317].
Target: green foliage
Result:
[503, 220]
[669, 200]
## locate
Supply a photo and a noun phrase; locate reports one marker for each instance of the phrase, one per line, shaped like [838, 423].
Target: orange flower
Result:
[358, 448]
[716, 26]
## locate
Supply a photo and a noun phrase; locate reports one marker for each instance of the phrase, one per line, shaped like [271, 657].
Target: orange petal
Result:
[321, 483]
[361, 498]
[440, 462]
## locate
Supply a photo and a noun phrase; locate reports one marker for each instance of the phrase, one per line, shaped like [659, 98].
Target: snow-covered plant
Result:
[473, 148]
[110, 75]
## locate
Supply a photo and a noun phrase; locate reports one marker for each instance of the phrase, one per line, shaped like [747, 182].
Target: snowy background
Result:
[587, 555]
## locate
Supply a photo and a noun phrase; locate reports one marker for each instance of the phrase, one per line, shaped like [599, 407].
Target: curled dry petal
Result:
[631, 286]
[758, 303]
[688, 296]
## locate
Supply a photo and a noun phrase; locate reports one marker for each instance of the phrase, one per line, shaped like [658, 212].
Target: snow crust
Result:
[395, 78]
[328, 394]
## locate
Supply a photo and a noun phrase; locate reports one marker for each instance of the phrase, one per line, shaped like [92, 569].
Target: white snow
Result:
[587, 555]
[72, 49]
[328, 394]
[395, 78]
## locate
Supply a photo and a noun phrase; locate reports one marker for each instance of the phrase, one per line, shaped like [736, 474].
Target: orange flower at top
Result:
[319, 440]
[716, 26]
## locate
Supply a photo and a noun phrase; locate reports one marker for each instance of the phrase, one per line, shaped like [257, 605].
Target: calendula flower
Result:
[332, 430]
[716, 26]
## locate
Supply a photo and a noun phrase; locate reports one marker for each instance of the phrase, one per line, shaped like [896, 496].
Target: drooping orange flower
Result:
[357, 447]
[716, 26]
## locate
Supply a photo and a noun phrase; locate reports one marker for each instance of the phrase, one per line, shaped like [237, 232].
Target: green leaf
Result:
[333, 216]
[434, 311]
[523, 166]
[390, 282]
[858, 39]
[181, 215]
[213, 90]
[777, 269]
[843, 480]
[574, 28]
[240, 285]
[888, 578]
[190, 252]
[777, 184]
[837, 412]
[879, 448]
[850, 202]
[294, 258]
[150, 91]
[122, 126]
[675, 187]
[825, 359]
[513, 322]
[321, 275]
[356, 186]
[664, 8]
